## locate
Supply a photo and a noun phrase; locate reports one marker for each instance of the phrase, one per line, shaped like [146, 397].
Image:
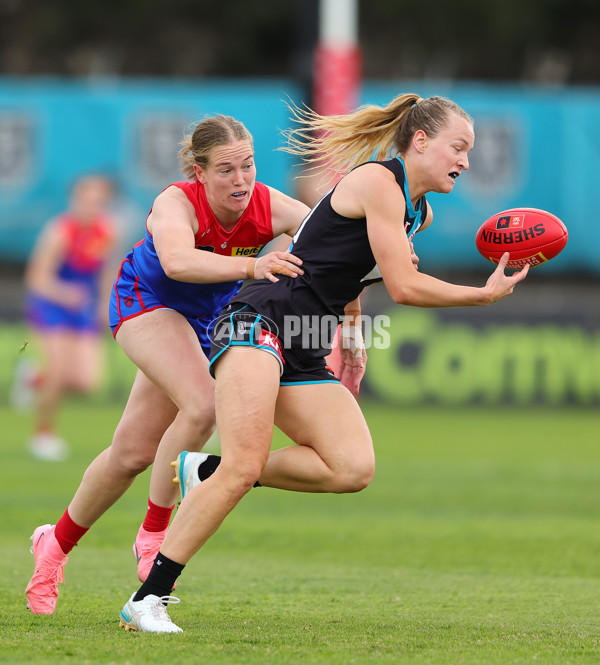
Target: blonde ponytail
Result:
[340, 142]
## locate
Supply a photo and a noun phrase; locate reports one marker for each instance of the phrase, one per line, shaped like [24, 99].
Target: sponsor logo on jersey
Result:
[246, 251]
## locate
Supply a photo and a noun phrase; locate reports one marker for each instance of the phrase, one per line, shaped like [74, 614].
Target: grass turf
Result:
[477, 542]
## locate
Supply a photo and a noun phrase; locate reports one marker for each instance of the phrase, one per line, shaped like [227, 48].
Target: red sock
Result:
[37, 381]
[68, 533]
[157, 518]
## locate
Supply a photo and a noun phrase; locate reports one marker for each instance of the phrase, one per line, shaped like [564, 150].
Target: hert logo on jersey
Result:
[246, 251]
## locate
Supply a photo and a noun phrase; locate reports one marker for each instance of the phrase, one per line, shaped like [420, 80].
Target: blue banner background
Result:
[535, 147]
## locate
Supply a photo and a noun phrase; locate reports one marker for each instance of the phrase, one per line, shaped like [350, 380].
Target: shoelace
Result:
[60, 572]
[159, 610]
[57, 569]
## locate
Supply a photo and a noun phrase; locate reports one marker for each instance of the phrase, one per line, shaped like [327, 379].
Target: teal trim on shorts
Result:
[251, 345]
[259, 347]
[306, 383]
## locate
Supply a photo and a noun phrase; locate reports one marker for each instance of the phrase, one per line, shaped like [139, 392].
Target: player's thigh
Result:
[246, 392]
[146, 417]
[87, 359]
[326, 417]
[165, 347]
[59, 354]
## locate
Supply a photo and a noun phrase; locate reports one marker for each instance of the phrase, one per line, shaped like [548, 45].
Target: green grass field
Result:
[477, 542]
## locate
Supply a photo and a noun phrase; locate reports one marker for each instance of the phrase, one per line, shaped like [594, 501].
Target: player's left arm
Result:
[286, 213]
[353, 354]
[286, 216]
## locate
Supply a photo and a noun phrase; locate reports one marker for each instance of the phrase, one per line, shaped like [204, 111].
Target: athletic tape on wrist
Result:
[353, 339]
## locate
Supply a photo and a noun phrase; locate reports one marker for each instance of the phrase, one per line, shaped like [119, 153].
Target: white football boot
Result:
[186, 470]
[148, 615]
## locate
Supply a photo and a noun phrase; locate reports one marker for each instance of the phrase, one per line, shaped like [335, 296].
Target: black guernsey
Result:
[337, 261]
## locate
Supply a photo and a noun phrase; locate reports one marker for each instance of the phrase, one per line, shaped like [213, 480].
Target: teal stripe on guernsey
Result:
[412, 213]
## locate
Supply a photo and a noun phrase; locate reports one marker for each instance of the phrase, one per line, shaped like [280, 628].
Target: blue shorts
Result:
[240, 325]
[130, 298]
[43, 314]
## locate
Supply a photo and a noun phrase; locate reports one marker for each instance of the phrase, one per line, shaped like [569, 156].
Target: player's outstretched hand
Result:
[353, 358]
[277, 263]
[501, 285]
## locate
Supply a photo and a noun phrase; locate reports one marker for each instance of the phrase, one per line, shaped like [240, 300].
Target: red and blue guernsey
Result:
[88, 248]
[143, 286]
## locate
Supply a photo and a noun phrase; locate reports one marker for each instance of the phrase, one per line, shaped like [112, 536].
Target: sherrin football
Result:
[530, 235]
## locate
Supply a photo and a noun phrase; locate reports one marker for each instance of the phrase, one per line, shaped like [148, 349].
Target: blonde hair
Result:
[371, 132]
[209, 133]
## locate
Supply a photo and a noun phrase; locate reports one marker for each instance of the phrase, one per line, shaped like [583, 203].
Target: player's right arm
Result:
[376, 196]
[173, 225]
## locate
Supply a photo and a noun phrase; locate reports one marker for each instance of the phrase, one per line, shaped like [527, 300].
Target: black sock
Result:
[209, 466]
[161, 579]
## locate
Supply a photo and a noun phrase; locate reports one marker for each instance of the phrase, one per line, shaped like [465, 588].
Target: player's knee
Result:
[82, 385]
[353, 482]
[355, 475]
[136, 462]
[140, 461]
[248, 474]
[200, 418]
[241, 476]
[126, 454]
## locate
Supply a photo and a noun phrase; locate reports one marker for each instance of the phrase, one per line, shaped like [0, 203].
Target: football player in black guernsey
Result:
[269, 344]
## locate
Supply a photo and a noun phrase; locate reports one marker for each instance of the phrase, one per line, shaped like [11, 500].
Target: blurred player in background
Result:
[68, 280]
[358, 234]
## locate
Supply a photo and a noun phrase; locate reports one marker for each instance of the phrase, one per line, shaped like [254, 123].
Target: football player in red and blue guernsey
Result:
[202, 240]
[68, 280]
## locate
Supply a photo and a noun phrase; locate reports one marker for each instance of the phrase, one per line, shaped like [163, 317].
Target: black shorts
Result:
[240, 325]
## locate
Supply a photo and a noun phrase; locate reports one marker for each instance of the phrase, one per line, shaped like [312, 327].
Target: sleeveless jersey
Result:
[253, 230]
[88, 247]
[87, 250]
[337, 262]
